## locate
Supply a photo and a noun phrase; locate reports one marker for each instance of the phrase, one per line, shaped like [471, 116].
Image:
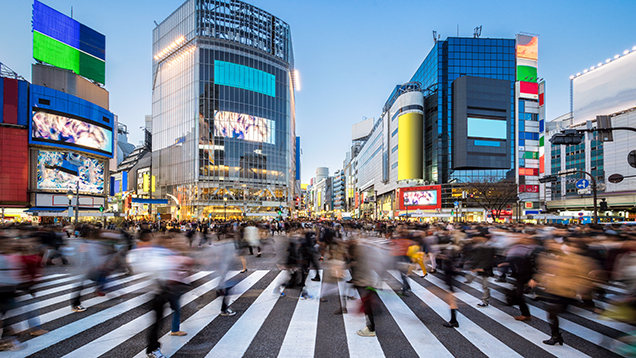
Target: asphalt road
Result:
[270, 325]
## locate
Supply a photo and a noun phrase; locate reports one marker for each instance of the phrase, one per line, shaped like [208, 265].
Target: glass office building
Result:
[448, 60]
[223, 131]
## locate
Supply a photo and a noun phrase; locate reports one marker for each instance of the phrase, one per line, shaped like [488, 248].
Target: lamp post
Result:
[77, 202]
[69, 195]
[225, 207]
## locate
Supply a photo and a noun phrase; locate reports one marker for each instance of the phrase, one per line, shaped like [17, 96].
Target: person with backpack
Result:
[521, 262]
[481, 263]
[564, 271]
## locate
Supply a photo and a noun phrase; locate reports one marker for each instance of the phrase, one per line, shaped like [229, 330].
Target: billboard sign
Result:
[53, 173]
[606, 89]
[244, 126]
[420, 198]
[528, 47]
[59, 130]
[487, 128]
[65, 43]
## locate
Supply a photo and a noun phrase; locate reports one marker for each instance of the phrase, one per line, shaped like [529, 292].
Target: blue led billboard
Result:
[63, 42]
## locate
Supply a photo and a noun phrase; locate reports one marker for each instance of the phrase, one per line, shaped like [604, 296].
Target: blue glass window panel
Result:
[541, 126]
[487, 143]
[394, 132]
[521, 125]
[521, 141]
[522, 162]
[394, 149]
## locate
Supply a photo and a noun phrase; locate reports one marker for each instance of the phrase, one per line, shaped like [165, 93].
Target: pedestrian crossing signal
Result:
[101, 209]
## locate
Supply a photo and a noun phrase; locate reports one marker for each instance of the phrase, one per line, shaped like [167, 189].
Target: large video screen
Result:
[63, 42]
[420, 198]
[244, 126]
[528, 47]
[57, 129]
[605, 90]
[487, 128]
[51, 173]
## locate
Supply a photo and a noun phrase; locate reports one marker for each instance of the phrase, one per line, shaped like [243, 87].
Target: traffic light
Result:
[101, 209]
[567, 137]
[604, 128]
[603, 205]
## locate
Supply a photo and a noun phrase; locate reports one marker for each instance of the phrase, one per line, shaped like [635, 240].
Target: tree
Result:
[493, 194]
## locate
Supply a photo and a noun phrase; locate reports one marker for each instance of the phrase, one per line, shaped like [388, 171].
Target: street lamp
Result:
[225, 207]
[69, 195]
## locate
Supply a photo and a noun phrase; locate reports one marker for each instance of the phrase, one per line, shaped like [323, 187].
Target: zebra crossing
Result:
[269, 324]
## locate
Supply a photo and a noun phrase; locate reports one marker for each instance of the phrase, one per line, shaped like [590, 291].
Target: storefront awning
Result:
[39, 209]
[149, 201]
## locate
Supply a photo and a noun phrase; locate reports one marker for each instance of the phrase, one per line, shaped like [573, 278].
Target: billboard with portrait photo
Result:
[422, 197]
[55, 129]
[244, 126]
[419, 198]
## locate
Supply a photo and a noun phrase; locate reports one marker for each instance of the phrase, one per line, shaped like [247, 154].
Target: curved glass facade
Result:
[223, 110]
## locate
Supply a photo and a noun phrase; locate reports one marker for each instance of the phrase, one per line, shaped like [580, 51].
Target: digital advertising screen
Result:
[528, 47]
[487, 128]
[53, 172]
[57, 129]
[244, 126]
[420, 198]
[65, 43]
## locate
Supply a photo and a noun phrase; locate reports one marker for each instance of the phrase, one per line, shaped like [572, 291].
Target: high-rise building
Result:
[223, 122]
[456, 113]
[471, 112]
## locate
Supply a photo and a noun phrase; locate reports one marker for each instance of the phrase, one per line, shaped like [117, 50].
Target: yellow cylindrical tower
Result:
[410, 145]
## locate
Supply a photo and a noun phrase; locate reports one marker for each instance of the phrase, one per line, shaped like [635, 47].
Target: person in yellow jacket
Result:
[417, 254]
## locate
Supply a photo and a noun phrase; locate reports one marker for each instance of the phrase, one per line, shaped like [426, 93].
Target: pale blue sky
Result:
[350, 54]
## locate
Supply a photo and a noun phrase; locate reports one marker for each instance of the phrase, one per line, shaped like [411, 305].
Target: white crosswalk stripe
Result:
[119, 320]
[569, 326]
[485, 342]
[359, 347]
[300, 338]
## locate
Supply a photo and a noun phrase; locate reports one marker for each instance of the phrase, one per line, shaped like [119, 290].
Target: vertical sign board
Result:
[542, 127]
[65, 43]
[527, 57]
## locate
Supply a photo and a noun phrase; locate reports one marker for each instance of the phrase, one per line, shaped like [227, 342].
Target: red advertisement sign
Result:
[420, 197]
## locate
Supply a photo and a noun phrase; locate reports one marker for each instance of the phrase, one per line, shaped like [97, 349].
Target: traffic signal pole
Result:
[551, 178]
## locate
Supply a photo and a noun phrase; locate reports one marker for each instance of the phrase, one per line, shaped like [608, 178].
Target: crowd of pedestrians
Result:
[560, 265]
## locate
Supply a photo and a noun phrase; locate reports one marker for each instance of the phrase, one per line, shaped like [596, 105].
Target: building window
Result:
[394, 149]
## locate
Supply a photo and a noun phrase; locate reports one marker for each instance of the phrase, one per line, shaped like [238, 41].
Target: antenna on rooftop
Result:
[434, 36]
[477, 32]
